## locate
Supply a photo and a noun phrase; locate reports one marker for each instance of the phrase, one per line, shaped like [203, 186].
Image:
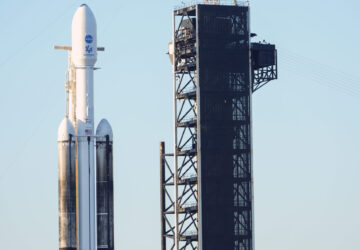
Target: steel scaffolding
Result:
[206, 184]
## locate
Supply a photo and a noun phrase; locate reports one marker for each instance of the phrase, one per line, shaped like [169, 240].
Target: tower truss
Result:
[206, 184]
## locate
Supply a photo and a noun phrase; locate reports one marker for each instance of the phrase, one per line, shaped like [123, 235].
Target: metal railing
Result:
[189, 204]
[190, 233]
[187, 119]
[210, 2]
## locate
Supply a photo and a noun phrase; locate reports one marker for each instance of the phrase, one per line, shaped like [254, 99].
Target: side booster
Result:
[104, 186]
[67, 185]
[86, 210]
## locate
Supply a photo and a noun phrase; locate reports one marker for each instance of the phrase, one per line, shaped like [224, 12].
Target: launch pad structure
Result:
[206, 184]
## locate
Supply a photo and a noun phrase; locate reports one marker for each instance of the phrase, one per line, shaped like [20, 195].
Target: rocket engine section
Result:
[104, 186]
[67, 186]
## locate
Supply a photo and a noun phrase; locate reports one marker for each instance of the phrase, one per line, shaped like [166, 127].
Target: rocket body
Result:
[86, 210]
[84, 55]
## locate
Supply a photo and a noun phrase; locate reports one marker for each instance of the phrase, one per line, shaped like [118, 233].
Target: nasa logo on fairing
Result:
[88, 39]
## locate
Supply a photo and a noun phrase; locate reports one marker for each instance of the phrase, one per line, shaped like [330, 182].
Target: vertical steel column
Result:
[162, 195]
[176, 204]
[198, 135]
[252, 241]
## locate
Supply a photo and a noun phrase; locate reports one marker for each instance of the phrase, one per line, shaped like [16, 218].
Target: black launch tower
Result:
[206, 184]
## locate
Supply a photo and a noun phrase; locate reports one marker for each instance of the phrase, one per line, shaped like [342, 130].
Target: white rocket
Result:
[85, 192]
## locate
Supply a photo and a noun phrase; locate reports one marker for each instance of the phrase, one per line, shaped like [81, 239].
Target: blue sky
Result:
[305, 125]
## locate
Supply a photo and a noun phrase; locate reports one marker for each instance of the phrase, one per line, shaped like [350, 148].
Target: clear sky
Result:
[305, 125]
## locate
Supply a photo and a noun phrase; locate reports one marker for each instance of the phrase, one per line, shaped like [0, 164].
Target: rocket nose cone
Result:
[104, 129]
[84, 18]
[84, 37]
[65, 129]
[86, 9]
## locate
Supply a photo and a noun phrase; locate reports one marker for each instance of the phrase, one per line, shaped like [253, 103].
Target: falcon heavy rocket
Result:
[86, 217]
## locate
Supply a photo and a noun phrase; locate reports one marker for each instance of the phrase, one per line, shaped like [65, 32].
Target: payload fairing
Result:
[85, 192]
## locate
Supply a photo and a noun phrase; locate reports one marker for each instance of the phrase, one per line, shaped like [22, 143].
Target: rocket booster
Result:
[67, 185]
[79, 128]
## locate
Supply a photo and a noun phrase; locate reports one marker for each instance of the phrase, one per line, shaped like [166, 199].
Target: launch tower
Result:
[206, 184]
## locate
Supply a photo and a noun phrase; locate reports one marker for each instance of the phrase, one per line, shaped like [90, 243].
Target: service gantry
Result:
[206, 184]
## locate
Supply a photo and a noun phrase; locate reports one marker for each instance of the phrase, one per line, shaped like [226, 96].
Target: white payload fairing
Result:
[85, 192]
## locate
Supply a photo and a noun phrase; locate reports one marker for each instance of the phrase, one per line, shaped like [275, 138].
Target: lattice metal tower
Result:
[206, 184]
